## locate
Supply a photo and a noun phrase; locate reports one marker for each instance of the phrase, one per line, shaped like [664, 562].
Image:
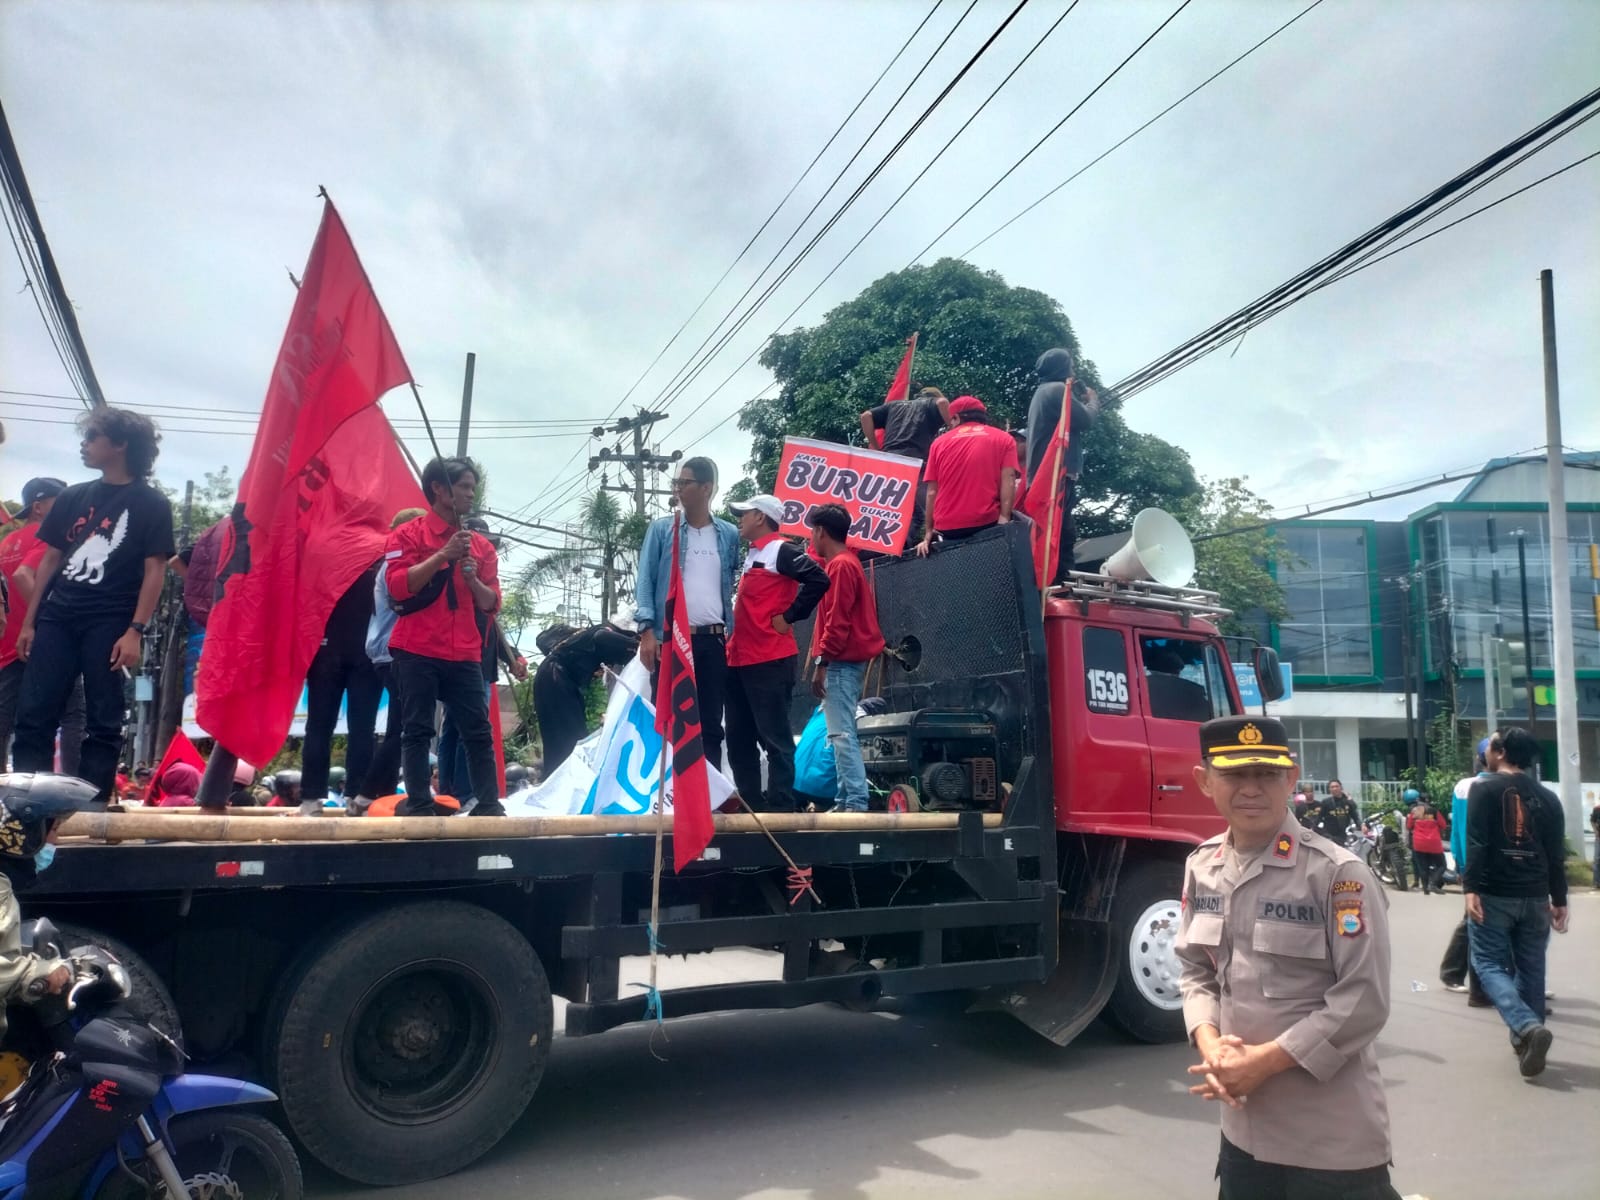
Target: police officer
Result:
[1285, 950]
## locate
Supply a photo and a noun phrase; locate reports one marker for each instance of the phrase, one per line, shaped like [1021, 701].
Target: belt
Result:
[708, 630]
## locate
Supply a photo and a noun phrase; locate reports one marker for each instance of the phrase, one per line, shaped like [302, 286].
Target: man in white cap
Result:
[780, 584]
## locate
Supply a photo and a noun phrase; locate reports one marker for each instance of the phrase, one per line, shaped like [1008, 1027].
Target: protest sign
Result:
[878, 490]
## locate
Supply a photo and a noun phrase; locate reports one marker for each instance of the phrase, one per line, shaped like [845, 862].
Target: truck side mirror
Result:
[1269, 674]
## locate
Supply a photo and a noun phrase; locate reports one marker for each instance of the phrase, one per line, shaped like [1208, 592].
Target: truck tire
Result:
[150, 1000]
[413, 1042]
[1146, 1003]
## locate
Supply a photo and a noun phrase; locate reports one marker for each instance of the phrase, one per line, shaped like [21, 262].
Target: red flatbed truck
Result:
[397, 993]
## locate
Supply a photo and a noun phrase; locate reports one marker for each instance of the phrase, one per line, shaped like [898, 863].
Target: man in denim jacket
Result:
[708, 549]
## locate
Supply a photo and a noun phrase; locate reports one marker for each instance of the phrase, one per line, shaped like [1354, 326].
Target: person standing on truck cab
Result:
[846, 639]
[1054, 369]
[438, 572]
[708, 560]
[780, 584]
[1284, 941]
[908, 428]
[971, 476]
[94, 596]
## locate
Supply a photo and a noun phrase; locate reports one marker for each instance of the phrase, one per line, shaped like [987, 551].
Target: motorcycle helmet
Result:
[336, 777]
[30, 806]
[243, 773]
[285, 785]
[1411, 796]
[516, 776]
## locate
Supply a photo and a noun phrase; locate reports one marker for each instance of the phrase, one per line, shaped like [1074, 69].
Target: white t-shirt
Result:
[702, 576]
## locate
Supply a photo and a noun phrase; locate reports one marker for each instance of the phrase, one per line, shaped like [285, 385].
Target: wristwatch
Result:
[138, 627]
[819, 661]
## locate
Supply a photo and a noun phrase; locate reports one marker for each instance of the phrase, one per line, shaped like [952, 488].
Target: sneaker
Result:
[488, 810]
[310, 808]
[1455, 987]
[1531, 1052]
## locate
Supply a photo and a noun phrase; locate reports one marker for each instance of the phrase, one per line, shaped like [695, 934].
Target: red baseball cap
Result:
[966, 404]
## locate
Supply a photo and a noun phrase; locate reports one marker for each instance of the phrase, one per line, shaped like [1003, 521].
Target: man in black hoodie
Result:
[1054, 368]
[1516, 886]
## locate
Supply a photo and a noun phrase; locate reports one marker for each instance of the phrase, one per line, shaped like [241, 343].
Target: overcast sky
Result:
[555, 185]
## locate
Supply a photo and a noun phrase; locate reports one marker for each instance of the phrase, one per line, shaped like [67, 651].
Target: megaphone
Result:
[1158, 550]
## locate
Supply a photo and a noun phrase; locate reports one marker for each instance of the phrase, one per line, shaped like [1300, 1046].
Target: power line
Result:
[809, 213]
[1106, 153]
[1052, 131]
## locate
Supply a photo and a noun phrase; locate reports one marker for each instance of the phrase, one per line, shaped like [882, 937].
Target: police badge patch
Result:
[1347, 916]
[1285, 846]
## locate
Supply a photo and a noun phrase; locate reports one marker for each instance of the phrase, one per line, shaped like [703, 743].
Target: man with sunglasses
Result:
[94, 594]
[708, 557]
[1284, 941]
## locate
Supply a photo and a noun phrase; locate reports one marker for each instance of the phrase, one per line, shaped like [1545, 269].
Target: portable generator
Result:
[933, 759]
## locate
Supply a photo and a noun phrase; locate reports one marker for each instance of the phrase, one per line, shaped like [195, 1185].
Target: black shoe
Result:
[1475, 1000]
[1532, 1050]
[493, 809]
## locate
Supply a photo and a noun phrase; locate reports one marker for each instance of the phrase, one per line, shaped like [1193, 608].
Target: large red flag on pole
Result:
[324, 478]
[678, 722]
[1047, 493]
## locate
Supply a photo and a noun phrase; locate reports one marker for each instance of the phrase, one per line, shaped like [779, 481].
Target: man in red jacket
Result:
[779, 586]
[846, 639]
[437, 572]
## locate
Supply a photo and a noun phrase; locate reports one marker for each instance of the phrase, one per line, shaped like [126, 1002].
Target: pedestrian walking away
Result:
[95, 595]
[1455, 968]
[846, 638]
[971, 476]
[1284, 941]
[780, 584]
[708, 562]
[559, 683]
[1428, 830]
[1516, 886]
[438, 572]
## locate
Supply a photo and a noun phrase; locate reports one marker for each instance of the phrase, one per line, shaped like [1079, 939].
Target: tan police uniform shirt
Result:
[22, 976]
[1295, 949]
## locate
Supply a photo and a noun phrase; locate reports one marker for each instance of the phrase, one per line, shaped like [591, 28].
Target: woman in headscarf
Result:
[180, 784]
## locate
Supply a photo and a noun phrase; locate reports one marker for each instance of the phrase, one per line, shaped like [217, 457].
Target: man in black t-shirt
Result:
[96, 591]
[909, 427]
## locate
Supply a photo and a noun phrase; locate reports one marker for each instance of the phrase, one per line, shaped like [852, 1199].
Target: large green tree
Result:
[1232, 551]
[978, 336]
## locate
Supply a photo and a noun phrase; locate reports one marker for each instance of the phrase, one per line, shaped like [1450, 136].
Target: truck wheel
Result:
[1146, 1002]
[150, 1000]
[413, 1042]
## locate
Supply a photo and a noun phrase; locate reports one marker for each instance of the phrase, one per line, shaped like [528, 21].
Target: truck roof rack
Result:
[1187, 602]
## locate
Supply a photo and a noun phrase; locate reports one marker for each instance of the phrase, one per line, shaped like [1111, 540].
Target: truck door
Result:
[1104, 776]
[1181, 684]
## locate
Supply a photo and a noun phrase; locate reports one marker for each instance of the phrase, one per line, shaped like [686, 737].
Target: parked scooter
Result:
[112, 1116]
[1380, 848]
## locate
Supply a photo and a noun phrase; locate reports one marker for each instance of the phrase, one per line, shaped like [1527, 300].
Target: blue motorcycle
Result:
[111, 1115]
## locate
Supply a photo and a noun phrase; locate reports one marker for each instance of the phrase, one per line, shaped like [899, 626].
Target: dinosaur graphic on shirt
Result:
[88, 561]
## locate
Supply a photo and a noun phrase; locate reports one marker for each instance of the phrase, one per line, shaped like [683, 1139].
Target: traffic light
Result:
[1511, 675]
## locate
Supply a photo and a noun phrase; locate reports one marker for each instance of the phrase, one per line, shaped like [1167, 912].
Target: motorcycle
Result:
[1381, 850]
[111, 1115]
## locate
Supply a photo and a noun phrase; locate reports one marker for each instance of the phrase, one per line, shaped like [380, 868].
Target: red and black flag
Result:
[678, 722]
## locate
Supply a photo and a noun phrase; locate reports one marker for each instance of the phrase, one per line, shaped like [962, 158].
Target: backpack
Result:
[553, 637]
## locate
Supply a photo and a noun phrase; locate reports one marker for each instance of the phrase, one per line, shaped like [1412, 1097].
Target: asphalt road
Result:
[927, 1102]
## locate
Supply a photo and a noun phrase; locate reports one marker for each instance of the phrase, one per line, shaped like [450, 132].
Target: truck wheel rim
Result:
[420, 1042]
[1153, 957]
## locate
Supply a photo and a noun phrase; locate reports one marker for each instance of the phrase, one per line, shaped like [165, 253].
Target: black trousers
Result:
[558, 703]
[1066, 534]
[1246, 1178]
[383, 774]
[957, 535]
[62, 652]
[10, 693]
[72, 721]
[1430, 870]
[1455, 968]
[424, 683]
[331, 677]
[711, 685]
[758, 720]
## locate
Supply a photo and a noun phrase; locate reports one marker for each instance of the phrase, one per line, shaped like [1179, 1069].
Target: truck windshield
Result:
[1184, 679]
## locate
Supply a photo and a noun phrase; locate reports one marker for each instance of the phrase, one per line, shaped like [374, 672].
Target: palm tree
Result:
[609, 546]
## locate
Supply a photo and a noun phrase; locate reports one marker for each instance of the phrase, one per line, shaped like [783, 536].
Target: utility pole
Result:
[466, 406]
[169, 675]
[1527, 625]
[1412, 702]
[1565, 680]
[639, 462]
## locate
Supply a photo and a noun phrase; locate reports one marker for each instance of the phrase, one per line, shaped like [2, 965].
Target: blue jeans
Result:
[839, 711]
[1508, 949]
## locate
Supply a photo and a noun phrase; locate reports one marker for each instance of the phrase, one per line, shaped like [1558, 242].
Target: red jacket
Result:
[439, 630]
[1427, 834]
[778, 580]
[847, 619]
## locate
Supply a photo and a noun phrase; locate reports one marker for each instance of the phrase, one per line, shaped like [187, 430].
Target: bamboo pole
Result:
[122, 827]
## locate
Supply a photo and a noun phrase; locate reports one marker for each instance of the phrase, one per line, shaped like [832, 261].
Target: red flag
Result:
[1047, 493]
[678, 722]
[325, 477]
[179, 750]
[900, 389]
